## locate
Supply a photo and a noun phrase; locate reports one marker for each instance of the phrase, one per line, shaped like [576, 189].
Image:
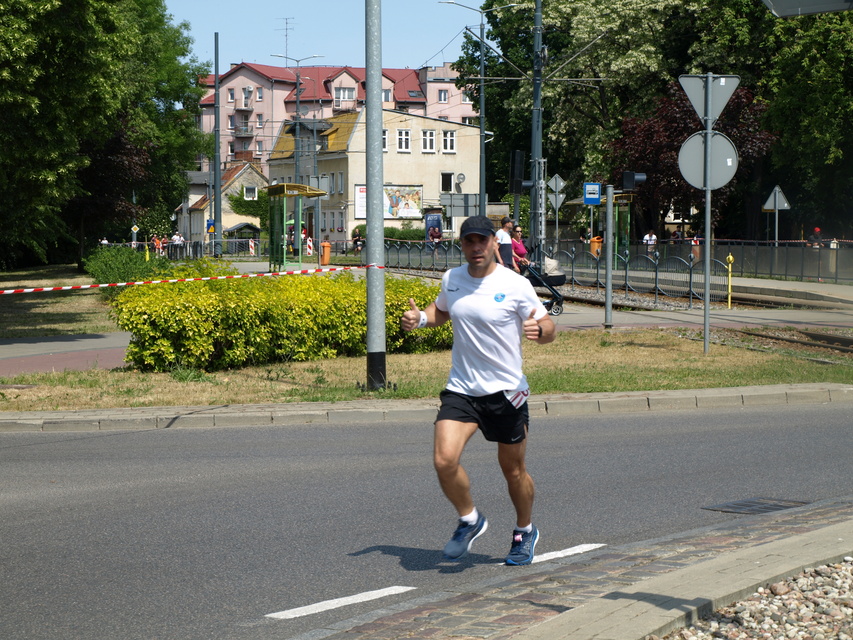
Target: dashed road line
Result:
[337, 603]
[572, 551]
[367, 596]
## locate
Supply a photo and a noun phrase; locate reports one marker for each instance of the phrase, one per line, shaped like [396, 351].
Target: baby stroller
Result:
[552, 277]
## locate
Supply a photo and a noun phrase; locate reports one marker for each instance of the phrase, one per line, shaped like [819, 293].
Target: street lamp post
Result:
[482, 13]
[297, 150]
[297, 146]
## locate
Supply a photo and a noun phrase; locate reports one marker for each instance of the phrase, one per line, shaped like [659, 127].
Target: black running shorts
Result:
[494, 415]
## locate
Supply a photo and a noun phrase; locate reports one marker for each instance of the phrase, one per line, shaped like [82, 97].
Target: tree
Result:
[651, 145]
[86, 81]
[48, 47]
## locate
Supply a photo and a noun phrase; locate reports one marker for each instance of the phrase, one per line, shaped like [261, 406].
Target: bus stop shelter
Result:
[280, 219]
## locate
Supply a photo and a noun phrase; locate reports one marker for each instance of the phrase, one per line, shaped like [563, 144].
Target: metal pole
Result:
[537, 193]
[608, 258]
[217, 158]
[776, 212]
[483, 204]
[709, 83]
[375, 215]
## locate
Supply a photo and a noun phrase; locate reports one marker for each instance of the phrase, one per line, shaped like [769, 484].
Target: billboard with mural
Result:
[398, 201]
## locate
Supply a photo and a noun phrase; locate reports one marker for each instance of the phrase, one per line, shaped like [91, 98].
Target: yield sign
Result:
[776, 201]
[722, 88]
[556, 200]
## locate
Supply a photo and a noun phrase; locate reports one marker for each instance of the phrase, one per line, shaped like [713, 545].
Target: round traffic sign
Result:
[724, 160]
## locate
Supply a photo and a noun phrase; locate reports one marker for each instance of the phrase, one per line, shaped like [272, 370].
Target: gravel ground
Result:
[814, 605]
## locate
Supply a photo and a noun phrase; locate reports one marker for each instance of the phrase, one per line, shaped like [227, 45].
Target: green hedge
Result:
[213, 325]
[395, 233]
[122, 264]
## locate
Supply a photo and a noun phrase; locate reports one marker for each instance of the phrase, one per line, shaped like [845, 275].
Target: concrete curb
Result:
[391, 411]
[678, 599]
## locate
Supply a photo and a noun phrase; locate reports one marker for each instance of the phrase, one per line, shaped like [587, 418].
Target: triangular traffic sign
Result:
[777, 201]
[722, 89]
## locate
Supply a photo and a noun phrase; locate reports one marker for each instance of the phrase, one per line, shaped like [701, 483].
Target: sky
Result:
[415, 33]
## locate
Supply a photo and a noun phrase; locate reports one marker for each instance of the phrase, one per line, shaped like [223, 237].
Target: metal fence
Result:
[668, 275]
[675, 270]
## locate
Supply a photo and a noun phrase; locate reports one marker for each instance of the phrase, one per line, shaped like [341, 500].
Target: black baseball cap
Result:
[481, 225]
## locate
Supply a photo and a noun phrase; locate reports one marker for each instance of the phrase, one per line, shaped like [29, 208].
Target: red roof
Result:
[316, 80]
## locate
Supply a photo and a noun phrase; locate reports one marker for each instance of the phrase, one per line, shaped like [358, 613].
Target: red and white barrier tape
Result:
[129, 284]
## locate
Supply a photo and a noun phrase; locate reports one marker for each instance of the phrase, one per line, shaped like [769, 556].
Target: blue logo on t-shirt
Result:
[499, 297]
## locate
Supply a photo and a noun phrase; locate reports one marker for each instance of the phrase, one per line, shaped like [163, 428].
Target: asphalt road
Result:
[200, 533]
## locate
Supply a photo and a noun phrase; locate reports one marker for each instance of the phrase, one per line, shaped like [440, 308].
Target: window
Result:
[469, 120]
[448, 141]
[446, 182]
[466, 97]
[230, 94]
[259, 94]
[250, 193]
[385, 139]
[340, 181]
[331, 182]
[428, 141]
[344, 94]
[386, 95]
[416, 94]
[259, 147]
[231, 148]
[260, 119]
[231, 121]
[445, 118]
[442, 95]
[404, 141]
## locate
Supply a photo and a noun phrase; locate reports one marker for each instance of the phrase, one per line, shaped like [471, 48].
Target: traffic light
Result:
[630, 180]
[516, 172]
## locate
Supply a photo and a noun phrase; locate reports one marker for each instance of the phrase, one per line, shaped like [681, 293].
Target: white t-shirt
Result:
[487, 315]
[505, 248]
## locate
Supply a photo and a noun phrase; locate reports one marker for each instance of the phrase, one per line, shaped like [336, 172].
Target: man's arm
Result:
[432, 317]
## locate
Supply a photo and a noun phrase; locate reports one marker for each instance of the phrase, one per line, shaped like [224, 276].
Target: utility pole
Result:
[297, 150]
[217, 159]
[537, 162]
[375, 250]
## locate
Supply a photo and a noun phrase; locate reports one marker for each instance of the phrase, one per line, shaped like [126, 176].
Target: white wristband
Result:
[423, 321]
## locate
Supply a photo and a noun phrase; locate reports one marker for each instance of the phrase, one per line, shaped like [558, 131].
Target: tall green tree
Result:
[85, 85]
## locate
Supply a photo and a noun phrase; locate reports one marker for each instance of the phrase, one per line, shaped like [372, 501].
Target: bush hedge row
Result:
[222, 324]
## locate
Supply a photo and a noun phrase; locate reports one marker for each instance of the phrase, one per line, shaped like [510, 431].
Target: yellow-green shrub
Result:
[231, 323]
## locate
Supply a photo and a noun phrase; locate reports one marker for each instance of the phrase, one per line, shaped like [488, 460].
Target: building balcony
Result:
[244, 131]
[244, 107]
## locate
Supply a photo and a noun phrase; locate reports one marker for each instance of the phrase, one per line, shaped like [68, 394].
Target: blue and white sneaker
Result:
[523, 547]
[465, 534]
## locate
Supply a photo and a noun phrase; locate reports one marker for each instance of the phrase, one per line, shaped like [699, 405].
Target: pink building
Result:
[257, 101]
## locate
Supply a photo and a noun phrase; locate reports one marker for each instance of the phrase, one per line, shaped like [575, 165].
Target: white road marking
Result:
[390, 591]
[337, 602]
[573, 551]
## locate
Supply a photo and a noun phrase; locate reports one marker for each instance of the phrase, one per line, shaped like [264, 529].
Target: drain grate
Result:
[755, 506]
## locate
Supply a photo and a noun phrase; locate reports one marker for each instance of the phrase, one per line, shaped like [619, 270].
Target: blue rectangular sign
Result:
[592, 193]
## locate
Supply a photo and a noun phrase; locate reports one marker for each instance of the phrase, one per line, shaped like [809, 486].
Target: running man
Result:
[492, 308]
